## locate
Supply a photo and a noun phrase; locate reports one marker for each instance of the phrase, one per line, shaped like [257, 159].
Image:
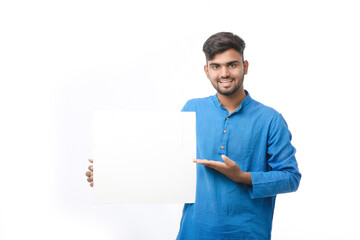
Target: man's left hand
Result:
[229, 168]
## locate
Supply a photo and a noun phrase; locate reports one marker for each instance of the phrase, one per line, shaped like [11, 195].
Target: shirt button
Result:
[227, 118]
[219, 105]
[222, 147]
[224, 131]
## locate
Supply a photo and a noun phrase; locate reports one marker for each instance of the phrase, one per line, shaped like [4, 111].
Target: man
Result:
[244, 153]
[248, 146]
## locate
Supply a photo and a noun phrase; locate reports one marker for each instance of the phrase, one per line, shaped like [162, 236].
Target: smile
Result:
[226, 81]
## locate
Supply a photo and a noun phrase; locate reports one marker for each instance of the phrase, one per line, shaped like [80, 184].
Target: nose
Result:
[225, 73]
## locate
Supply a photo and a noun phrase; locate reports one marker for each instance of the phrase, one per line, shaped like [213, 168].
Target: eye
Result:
[232, 65]
[215, 66]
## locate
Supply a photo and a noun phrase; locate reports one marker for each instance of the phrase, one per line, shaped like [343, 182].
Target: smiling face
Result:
[226, 72]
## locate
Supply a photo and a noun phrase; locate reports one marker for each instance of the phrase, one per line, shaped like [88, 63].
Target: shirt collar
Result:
[245, 102]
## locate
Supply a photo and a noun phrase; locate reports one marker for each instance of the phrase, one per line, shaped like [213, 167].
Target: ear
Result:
[206, 69]
[246, 66]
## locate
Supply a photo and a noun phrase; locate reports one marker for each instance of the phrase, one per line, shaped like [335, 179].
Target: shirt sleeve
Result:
[284, 175]
[188, 107]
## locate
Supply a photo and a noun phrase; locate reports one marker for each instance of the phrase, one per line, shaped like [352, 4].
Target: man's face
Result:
[226, 72]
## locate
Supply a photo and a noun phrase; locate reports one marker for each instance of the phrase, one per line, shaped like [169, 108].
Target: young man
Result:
[244, 153]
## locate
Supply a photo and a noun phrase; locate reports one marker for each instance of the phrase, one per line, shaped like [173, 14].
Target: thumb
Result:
[227, 160]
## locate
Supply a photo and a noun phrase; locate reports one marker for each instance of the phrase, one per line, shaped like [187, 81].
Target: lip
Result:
[226, 81]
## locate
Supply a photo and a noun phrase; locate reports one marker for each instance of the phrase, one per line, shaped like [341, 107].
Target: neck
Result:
[233, 102]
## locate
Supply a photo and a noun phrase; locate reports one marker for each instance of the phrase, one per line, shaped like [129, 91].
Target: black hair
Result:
[222, 41]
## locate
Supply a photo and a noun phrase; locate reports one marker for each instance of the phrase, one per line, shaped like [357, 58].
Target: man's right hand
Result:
[89, 174]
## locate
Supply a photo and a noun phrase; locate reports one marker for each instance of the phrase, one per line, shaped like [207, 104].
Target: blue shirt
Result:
[257, 138]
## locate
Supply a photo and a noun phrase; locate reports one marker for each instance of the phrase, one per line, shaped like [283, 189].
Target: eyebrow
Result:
[228, 63]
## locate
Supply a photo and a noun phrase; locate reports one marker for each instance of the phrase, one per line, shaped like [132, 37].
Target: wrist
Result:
[245, 177]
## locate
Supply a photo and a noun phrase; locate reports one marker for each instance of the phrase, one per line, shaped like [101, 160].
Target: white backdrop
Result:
[60, 60]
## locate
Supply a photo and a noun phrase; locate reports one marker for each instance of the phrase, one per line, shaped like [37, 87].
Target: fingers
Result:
[89, 174]
[90, 179]
[202, 161]
[229, 168]
[213, 164]
[228, 161]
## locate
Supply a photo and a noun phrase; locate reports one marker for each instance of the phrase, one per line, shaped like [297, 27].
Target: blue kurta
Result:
[257, 138]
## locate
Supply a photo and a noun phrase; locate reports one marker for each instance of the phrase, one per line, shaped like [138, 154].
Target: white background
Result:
[60, 60]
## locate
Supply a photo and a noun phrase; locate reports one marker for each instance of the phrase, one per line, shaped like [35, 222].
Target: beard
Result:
[229, 91]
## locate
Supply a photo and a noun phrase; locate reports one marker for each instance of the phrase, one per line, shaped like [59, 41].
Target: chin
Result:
[227, 92]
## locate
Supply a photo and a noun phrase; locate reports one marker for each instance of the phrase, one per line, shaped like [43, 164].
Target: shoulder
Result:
[263, 110]
[268, 115]
[193, 104]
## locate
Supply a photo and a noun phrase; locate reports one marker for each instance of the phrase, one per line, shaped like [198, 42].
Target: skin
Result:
[226, 73]
[228, 66]
[89, 174]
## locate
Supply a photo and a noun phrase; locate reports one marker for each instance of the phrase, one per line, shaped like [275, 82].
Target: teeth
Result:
[226, 81]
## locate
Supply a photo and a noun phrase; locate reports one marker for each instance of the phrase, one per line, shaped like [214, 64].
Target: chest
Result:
[238, 136]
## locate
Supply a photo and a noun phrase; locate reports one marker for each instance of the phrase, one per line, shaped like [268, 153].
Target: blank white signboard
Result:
[144, 157]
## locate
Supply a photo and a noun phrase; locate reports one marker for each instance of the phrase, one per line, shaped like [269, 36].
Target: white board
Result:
[144, 157]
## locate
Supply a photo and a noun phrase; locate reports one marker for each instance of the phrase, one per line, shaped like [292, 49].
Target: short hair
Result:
[222, 41]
